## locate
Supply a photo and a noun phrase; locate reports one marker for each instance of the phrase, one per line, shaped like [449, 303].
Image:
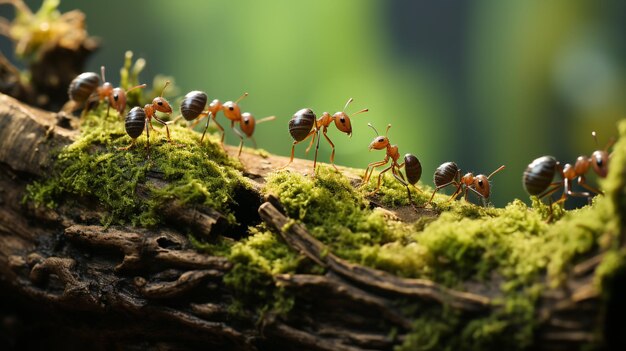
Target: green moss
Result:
[93, 167]
[515, 246]
[256, 259]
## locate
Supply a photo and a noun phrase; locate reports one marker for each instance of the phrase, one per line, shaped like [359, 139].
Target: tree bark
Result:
[67, 282]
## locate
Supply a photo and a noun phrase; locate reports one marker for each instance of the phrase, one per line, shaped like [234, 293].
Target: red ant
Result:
[304, 125]
[85, 89]
[139, 119]
[537, 178]
[450, 174]
[413, 166]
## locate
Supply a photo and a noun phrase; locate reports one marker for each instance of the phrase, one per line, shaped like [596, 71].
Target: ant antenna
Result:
[241, 97]
[496, 171]
[371, 126]
[138, 86]
[167, 82]
[347, 103]
[356, 113]
[595, 137]
[102, 74]
[388, 126]
[363, 110]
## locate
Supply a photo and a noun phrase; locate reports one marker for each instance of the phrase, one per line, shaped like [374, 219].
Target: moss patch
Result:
[517, 244]
[514, 247]
[93, 167]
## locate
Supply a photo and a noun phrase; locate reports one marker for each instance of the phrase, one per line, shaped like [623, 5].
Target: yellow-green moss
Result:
[516, 244]
[93, 167]
[256, 259]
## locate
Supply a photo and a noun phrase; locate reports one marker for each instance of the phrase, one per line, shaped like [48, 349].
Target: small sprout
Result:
[36, 33]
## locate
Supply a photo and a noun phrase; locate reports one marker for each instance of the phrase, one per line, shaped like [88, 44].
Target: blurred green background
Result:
[482, 83]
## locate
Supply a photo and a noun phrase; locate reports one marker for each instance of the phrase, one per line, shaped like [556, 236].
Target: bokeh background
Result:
[482, 83]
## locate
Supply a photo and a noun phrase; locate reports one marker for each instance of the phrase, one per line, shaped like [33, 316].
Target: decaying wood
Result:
[132, 288]
[298, 238]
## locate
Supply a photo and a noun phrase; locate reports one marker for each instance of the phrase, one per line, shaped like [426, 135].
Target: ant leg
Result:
[550, 191]
[293, 148]
[379, 180]
[483, 199]
[306, 151]
[128, 147]
[219, 126]
[195, 122]
[569, 192]
[148, 123]
[441, 187]
[332, 154]
[240, 135]
[317, 146]
[370, 169]
[582, 181]
[167, 130]
[253, 141]
[406, 185]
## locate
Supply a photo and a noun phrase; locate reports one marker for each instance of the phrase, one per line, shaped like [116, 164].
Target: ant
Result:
[139, 118]
[192, 108]
[413, 166]
[450, 174]
[85, 88]
[537, 178]
[303, 125]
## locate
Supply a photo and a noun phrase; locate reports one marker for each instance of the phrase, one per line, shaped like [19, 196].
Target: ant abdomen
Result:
[193, 104]
[301, 124]
[445, 173]
[539, 174]
[135, 122]
[83, 86]
[413, 168]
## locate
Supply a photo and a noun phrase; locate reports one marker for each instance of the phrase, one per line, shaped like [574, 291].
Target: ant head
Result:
[600, 158]
[600, 162]
[117, 99]
[342, 120]
[160, 104]
[481, 184]
[380, 142]
[231, 108]
[247, 123]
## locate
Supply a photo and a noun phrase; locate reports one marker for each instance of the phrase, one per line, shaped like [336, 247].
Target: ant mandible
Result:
[85, 88]
[450, 174]
[303, 125]
[139, 118]
[413, 166]
[537, 178]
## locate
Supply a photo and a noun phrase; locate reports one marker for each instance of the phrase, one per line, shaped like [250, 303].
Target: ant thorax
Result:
[392, 151]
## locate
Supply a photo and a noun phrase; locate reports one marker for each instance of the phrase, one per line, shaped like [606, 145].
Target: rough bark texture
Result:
[67, 282]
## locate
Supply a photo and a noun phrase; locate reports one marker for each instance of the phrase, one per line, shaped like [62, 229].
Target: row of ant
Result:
[86, 90]
[304, 125]
[537, 178]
